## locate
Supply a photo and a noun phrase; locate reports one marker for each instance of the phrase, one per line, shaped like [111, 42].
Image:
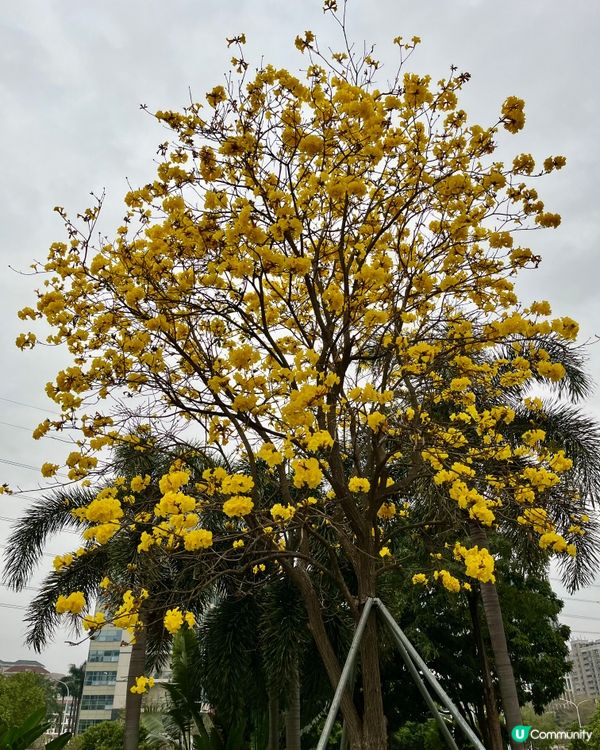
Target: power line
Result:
[578, 617]
[10, 462]
[23, 588]
[21, 465]
[29, 430]
[589, 586]
[29, 406]
[12, 606]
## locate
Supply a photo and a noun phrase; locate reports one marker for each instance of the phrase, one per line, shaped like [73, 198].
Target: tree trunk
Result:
[133, 701]
[374, 735]
[491, 728]
[332, 666]
[292, 715]
[273, 741]
[502, 663]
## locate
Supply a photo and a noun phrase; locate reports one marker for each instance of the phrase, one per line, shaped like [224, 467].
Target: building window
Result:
[109, 634]
[87, 723]
[103, 656]
[100, 678]
[96, 702]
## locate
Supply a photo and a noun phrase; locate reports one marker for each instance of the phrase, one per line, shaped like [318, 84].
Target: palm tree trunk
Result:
[133, 701]
[490, 727]
[273, 721]
[504, 670]
[292, 715]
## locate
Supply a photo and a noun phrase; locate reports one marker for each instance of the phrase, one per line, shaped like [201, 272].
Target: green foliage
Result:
[594, 727]
[440, 626]
[21, 736]
[23, 693]
[105, 736]
[418, 736]
[108, 735]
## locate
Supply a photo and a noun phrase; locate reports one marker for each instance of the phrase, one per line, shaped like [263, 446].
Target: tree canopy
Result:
[319, 282]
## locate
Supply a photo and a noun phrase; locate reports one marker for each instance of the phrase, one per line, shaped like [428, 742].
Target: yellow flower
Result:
[173, 620]
[282, 513]
[449, 582]
[359, 484]
[236, 484]
[74, 603]
[93, 622]
[513, 116]
[49, 470]
[307, 472]
[197, 539]
[270, 454]
[190, 619]
[385, 552]
[239, 505]
[376, 420]
[62, 561]
[139, 483]
[142, 685]
[387, 510]
[218, 94]
[420, 578]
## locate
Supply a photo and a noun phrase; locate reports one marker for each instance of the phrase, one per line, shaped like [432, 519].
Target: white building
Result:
[584, 678]
[105, 681]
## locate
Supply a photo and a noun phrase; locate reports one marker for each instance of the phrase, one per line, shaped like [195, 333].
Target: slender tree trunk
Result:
[374, 735]
[292, 715]
[133, 701]
[491, 728]
[273, 741]
[330, 662]
[502, 663]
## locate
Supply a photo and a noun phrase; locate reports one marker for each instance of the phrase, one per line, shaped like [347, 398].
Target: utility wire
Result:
[20, 465]
[10, 462]
[29, 430]
[29, 406]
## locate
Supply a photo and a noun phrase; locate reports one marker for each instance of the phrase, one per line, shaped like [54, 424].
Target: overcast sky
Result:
[72, 78]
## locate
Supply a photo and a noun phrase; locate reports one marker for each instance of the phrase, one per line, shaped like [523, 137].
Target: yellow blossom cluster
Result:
[142, 685]
[448, 581]
[174, 619]
[282, 513]
[127, 615]
[94, 622]
[479, 563]
[74, 603]
[359, 484]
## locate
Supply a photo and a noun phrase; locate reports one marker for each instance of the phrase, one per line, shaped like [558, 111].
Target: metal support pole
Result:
[418, 662]
[424, 692]
[345, 676]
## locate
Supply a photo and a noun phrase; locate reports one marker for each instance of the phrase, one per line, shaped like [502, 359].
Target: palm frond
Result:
[45, 517]
[84, 574]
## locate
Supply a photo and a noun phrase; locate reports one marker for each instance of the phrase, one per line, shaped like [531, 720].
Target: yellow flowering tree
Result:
[315, 254]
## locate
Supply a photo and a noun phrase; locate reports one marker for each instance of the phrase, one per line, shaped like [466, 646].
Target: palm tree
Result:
[74, 681]
[118, 559]
[566, 428]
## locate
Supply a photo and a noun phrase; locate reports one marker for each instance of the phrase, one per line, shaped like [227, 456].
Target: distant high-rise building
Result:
[105, 681]
[585, 675]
